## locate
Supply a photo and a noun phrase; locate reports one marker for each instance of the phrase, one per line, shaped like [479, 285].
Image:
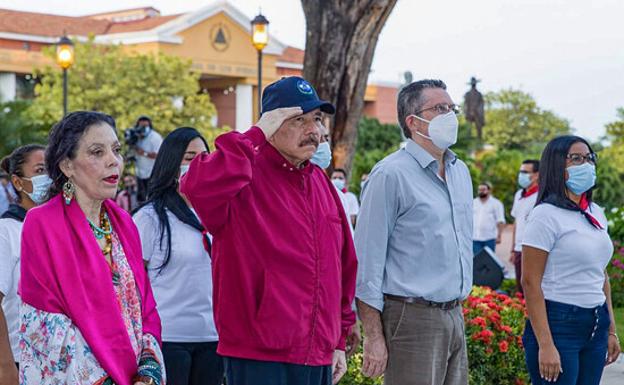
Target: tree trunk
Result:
[341, 36]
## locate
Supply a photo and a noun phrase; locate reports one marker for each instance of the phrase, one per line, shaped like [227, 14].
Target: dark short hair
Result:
[534, 162]
[553, 166]
[410, 100]
[342, 170]
[63, 142]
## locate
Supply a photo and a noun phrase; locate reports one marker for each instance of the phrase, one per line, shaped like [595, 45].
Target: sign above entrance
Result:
[220, 37]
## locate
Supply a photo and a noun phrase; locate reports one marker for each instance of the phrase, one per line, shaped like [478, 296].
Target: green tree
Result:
[500, 168]
[16, 129]
[615, 130]
[125, 85]
[515, 121]
[610, 167]
[374, 142]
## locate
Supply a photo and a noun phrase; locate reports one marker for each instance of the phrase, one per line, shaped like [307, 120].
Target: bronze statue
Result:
[474, 107]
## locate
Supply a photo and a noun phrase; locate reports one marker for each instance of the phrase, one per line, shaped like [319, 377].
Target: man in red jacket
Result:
[284, 264]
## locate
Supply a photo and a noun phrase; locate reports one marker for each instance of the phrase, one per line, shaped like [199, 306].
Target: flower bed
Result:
[494, 327]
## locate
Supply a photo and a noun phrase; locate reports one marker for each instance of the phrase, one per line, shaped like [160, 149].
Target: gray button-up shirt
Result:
[414, 231]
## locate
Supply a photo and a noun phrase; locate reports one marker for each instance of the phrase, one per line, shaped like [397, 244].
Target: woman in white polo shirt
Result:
[25, 166]
[176, 252]
[570, 335]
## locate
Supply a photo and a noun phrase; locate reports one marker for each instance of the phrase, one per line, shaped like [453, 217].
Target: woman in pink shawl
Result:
[88, 314]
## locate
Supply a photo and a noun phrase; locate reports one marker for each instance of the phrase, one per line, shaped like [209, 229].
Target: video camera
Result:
[132, 135]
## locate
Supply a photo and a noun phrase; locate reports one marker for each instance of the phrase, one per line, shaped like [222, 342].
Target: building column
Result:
[244, 107]
[8, 86]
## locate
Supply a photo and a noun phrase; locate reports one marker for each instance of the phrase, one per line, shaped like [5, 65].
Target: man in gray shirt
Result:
[414, 244]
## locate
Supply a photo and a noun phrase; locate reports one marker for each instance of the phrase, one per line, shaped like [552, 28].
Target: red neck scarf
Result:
[584, 205]
[530, 191]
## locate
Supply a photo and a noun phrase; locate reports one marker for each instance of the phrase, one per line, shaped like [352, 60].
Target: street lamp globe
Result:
[65, 53]
[260, 32]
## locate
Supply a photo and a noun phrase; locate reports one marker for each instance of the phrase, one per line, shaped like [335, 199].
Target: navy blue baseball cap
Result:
[293, 91]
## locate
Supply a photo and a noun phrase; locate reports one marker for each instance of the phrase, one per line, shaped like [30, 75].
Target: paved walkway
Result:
[614, 373]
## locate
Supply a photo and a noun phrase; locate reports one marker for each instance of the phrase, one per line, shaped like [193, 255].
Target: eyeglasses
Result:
[579, 159]
[442, 108]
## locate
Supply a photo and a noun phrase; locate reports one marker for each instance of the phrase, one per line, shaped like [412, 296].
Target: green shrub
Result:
[354, 374]
[615, 269]
[494, 326]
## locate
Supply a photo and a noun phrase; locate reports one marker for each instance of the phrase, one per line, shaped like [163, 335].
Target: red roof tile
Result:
[140, 25]
[292, 55]
[41, 24]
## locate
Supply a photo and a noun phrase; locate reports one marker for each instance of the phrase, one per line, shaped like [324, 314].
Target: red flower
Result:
[506, 329]
[479, 321]
[503, 346]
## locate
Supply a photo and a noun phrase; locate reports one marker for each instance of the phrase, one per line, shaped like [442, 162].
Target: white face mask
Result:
[41, 184]
[442, 130]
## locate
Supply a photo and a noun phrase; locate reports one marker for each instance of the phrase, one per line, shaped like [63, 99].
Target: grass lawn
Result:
[619, 320]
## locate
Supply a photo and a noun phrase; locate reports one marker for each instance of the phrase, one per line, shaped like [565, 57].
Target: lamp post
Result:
[260, 39]
[65, 59]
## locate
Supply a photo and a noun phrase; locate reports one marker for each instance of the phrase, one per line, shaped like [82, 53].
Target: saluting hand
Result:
[272, 120]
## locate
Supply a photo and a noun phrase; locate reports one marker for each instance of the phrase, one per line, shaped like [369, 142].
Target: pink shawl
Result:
[63, 271]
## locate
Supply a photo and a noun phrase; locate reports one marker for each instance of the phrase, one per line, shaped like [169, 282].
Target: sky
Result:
[568, 54]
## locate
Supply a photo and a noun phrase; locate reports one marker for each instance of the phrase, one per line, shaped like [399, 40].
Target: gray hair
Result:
[410, 100]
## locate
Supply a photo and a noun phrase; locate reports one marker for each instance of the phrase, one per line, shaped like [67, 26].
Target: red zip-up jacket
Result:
[284, 264]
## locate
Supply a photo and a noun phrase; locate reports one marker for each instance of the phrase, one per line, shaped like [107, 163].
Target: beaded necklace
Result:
[103, 232]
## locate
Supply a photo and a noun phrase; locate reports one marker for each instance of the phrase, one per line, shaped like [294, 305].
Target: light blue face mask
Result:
[581, 178]
[339, 183]
[184, 169]
[41, 184]
[322, 157]
[524, 180]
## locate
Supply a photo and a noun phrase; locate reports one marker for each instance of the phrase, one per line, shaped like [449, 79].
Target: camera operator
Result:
[146, 150]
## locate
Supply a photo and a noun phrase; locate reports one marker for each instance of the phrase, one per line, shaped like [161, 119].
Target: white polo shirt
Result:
[353, 206]
[345, 207]
[486, 216]
[151, 143]
[10, 238]
[520, 212]
[578, 253]
[182, 289]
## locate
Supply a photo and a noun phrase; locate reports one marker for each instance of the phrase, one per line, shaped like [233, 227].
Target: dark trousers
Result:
[142, 185]
[240, 371]
[189, 363]
[477, 246]
[580, 336]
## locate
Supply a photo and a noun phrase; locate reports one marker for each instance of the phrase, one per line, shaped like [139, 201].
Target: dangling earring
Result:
[68, 191]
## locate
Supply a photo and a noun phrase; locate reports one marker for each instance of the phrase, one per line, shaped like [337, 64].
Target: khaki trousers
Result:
[426, 345]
